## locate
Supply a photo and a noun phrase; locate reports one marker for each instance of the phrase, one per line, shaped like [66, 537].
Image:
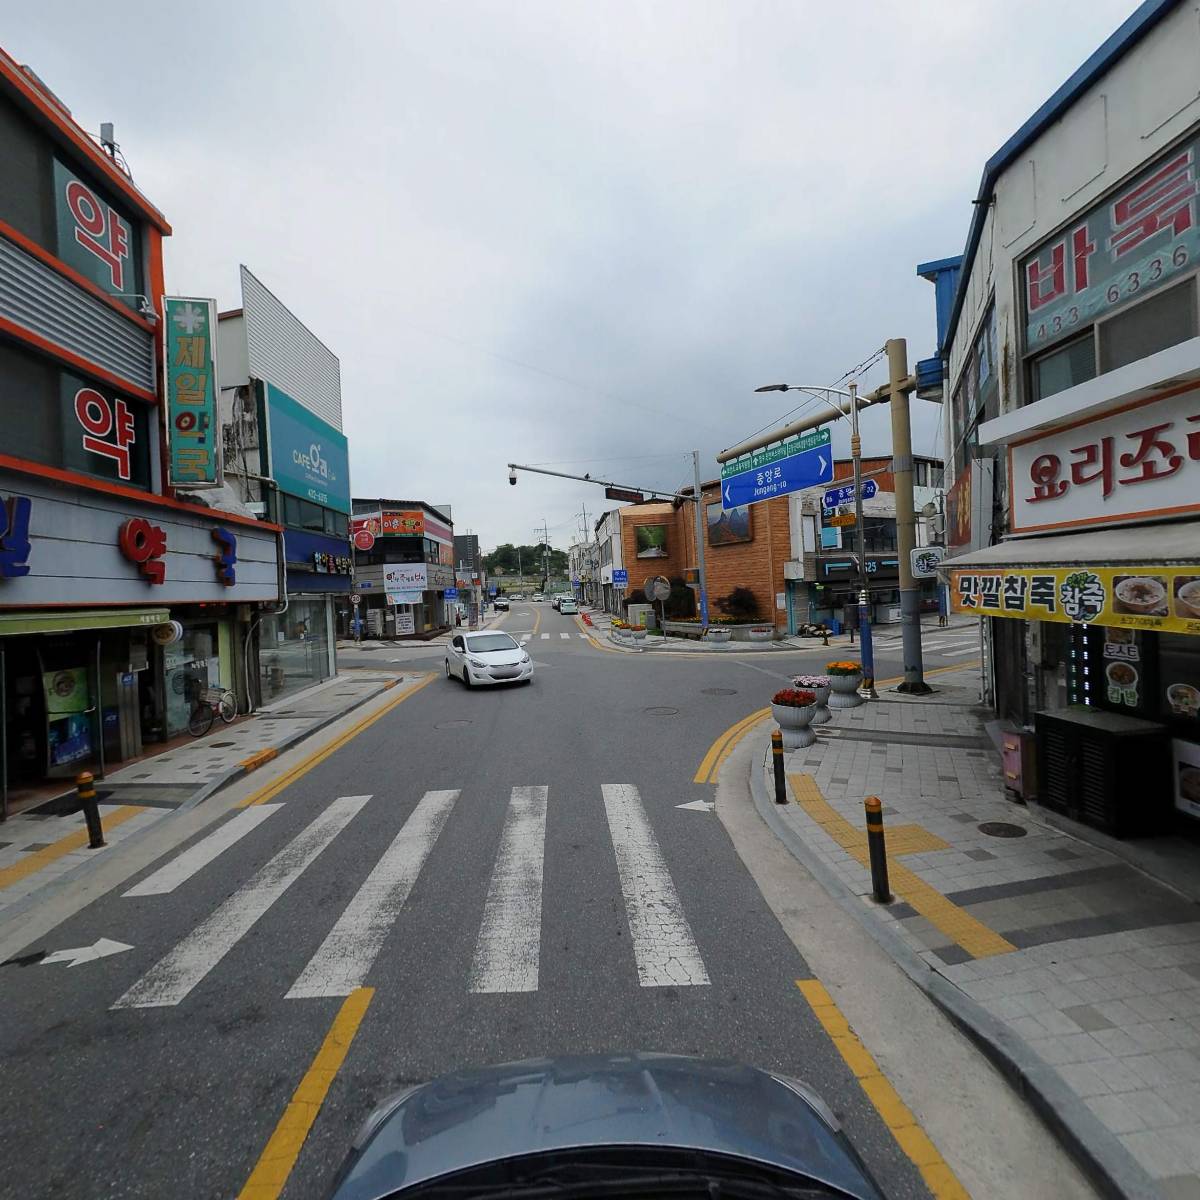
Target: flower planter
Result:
[638, 633]
[761, 635]
[794, 723]
[719, 636]
[845, 691]
[821, 714]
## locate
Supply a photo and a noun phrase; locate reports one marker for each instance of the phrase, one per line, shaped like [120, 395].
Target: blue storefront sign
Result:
[317, 563]
[451, 593]
[306, 457]
[620, 577]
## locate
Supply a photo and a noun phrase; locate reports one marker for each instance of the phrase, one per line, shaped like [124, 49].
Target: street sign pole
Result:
[700, 531]
[865, 645]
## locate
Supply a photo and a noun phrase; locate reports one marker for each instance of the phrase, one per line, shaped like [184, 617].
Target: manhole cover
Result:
[660, 712]
[1002, 829]
[451, 724]
[222, 744]
[718, 691]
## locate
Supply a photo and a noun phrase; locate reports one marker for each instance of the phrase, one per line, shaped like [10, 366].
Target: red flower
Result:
[794, 698]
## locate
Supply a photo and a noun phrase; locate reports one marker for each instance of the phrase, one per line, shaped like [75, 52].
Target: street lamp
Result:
[864, 615]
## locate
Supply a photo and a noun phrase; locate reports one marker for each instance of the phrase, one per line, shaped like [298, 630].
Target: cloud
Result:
[557, 231]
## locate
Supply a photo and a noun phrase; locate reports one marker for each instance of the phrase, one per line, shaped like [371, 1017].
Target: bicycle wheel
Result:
[228, 707]
[201, 720]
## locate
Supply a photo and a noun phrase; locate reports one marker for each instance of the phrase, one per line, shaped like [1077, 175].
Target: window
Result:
[303, 514]
[1064, 368]
[1163, 320]
[336, 523]
[879, 535]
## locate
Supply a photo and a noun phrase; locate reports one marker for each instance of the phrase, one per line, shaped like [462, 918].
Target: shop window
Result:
[1162, 320]
[1065, 367]
[336, 524]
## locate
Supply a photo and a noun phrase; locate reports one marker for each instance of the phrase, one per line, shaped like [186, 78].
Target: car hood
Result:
[474, 1117]
[497, 658]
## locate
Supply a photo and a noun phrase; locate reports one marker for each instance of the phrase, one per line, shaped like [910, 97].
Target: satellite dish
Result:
[657, 587]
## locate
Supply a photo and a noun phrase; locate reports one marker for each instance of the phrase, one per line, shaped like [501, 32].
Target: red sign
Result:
[958, 511]
[99, 230]
[104, 420]
[364, 539]
[404, 524]
[144, 544]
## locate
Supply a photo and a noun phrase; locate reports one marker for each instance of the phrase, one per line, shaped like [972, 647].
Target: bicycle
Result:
[209, 702]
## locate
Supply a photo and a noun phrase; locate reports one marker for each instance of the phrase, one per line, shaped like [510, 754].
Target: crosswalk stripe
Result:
[507, 953]
[663, 946]
[171, 979]
[545, 637]
[348, 952]
[565, 636]
[956, 653]
[179, 870]
[584, 636]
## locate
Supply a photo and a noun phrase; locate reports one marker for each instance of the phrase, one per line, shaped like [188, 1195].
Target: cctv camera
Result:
[512, 476]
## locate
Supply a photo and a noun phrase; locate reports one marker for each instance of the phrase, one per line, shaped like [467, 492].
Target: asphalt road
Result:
[163, 1070]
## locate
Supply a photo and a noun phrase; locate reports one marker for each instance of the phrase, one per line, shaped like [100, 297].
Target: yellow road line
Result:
[956, 923]
[710, 764]
[283, 1148]
[276, 786]
[896, 1115]
[34, 862]
[593, 639]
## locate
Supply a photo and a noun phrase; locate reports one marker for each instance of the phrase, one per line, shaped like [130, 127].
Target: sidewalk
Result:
[1078, 972]
[44, 844]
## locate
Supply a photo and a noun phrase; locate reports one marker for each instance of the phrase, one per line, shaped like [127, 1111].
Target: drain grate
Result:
[222, 745]
[718, 691]
[661, 712]
[1002, 829]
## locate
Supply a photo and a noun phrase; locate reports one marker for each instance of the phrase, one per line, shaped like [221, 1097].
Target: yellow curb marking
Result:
[257, 760]
[283, 1148]
[72, 841]
[723, 746]
[276, 786]
[956, 923]
[897, 1116]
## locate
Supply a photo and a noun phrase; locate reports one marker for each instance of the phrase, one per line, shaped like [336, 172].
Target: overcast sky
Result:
[560, 232]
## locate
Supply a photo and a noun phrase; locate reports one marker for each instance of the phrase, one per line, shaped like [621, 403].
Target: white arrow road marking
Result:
[507, 953]
[168, 878]
[663, 946]
[698, 806]
[177, 972]
[101, 948]
[349, 950]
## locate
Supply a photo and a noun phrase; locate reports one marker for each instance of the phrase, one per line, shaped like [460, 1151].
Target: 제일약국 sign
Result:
[1143, 597]
[189, 367]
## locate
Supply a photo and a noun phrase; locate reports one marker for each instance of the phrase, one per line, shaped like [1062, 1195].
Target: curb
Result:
[9, 915]
[1103, 1159]
[247, 765]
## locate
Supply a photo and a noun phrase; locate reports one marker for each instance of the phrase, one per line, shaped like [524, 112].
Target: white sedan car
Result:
[487, 658]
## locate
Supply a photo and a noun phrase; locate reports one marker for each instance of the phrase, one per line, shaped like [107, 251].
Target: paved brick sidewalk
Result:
[1094, 965]
[41, 846]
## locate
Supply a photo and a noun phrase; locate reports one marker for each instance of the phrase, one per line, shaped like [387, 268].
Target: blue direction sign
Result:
[452, 593]
[620, 577]
[801, 463]
[843, 495]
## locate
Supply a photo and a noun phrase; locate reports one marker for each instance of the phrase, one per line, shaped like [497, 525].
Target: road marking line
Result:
[663, 946]
[271, 790]
[76, 840]
[349, 950]
[183, 967]
[545, 637]
[566, 637]
[896, 1115]
[279, 1156]
[585, 637]
[956, 923]
[179, 870]
[723, 746]
[955, 653]
[508, 950]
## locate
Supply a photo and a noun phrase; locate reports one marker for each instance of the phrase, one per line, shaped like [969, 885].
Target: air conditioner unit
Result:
[257, 507]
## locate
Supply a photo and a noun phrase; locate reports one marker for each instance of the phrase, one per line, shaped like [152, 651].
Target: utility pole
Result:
[906, 518]
[700, 532]
[866, 647]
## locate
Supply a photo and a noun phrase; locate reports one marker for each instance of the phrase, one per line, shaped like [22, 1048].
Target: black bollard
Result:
[91, 810]
[777, 759]
[877, 850]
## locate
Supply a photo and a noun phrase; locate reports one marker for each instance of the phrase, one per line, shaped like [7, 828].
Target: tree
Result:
[741, 603]
[508, 559]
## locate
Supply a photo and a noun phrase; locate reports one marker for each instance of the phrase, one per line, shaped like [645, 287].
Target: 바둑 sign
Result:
[803, 462]
[620, 577]
[193, 431]
[845, 494]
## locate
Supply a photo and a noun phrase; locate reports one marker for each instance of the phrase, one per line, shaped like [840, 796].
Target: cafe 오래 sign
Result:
[193, 431]
[1133, 243]
[1164, 598]
[1140, 461]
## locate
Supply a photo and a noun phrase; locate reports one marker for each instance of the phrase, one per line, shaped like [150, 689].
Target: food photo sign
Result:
[1186, 761]
[1163, 598]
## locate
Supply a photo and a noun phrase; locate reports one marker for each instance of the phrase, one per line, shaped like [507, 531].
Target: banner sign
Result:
[1085, 474]
[189, 367]
[308, 457]
[405, 577]
[390, 524]
[1135, 242]
[1148, 597]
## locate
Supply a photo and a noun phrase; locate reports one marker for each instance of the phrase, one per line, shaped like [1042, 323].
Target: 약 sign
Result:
[93, 237]
[1143, 597]
[1140, 461]
[189, 362]
[1133, 243]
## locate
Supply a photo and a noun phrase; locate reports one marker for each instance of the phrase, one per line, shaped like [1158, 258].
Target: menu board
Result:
[1186, 761]
[1124, 683]
[1179, 677]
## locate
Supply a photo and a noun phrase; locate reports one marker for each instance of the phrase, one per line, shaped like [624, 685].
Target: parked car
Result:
[487, 658]
[635, 1125]
[559, 597]
[538, 597]
[567, 605]
[500, 603]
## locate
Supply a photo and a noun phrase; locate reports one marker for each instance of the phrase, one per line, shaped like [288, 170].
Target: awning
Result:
[1144, 577]
[41, 621]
